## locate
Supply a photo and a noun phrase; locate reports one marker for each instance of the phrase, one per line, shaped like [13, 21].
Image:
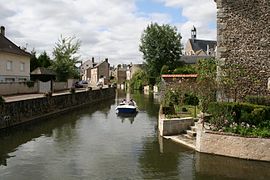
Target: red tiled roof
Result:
[179, 76]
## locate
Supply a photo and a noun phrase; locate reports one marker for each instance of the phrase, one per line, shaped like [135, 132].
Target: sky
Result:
[106, 28]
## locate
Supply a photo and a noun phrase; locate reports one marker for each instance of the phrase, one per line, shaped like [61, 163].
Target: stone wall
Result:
[18, 112]
[244, 40]
[174, 126]
[232, 146]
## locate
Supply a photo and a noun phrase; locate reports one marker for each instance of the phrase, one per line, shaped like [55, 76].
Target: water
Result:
[95, 143]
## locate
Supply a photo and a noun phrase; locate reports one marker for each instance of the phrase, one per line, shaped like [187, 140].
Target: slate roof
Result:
[43, 71]
[7, 46]
[179, 76]
[193, 59]
[198, 44]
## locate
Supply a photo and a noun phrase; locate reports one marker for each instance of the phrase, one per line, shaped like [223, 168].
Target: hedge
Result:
[256, 115]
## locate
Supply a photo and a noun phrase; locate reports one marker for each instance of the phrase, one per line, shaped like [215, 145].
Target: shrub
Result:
[2, 100]
[30, 83]
[260, 100]
[48, 94]
[191, 99]
[72, 90]
[227, 114]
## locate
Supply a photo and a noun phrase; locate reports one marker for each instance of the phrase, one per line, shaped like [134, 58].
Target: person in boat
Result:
[123, 102]
[131, 102]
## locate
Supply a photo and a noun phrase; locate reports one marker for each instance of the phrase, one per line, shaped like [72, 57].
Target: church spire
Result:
[193, 33]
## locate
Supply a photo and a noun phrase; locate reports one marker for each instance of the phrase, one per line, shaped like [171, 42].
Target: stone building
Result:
[199, 47]
[99, 71]
[244, 45]
[196, 49]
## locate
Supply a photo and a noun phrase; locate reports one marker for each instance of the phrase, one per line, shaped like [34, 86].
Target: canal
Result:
[95, 143]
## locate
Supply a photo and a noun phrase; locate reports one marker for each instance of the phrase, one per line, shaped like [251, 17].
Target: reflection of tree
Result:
[62, 128]
[146, 103]
[156, 165]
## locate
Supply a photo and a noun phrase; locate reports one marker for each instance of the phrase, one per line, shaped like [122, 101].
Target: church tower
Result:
[193, 33]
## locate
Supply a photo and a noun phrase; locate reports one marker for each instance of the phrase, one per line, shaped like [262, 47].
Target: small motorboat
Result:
[126, 108]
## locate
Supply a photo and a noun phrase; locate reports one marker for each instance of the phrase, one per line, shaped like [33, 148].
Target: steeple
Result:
[193, 33]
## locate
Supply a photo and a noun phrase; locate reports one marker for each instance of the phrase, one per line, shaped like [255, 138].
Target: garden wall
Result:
[9, 88]
[232, 146]
[174, 126]
[18, 112]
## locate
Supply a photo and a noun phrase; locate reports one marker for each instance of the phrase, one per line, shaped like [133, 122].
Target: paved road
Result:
[33, 96]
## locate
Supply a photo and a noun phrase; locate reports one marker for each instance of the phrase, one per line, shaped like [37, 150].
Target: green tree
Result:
[160, 45]
[33, 60]
[65, 58]
[44, 60]
[138, 80]
[206, 82]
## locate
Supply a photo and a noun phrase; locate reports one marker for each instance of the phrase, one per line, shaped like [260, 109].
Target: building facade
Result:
[101, 70]
[14, 62]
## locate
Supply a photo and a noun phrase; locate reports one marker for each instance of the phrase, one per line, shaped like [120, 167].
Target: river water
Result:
[95, 143]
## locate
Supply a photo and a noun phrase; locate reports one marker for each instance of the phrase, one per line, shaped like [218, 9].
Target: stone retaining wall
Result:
[232, 146]
[18, 112]
[173, 126]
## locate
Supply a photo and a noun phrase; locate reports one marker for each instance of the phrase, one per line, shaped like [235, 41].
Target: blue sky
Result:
[150, 6]
[106, 28]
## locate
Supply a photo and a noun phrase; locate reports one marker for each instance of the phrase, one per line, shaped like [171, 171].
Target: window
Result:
[10, 79]
[22, 66]
[268, 84]
[9, 65]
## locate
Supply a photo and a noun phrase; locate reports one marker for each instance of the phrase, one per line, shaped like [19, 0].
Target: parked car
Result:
[83, 83]
[78, 85]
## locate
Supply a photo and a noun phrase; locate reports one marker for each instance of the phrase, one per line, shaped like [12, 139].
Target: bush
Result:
[260, 100]
[191, 99]
[241, 118]
[2, 100]
[72, 90]
[30, 83]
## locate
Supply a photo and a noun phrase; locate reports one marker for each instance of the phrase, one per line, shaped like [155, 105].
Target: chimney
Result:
[208, 50]
[93, 60]
[106, 59]
[2, 30]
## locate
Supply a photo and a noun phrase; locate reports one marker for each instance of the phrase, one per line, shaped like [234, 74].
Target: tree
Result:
[44, 60]
[206, 82]
[138, 80]
[33, 60]
[65, 58]
[160, 45]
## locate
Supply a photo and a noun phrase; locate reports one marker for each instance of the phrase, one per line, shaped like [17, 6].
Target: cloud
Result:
[106, 28]
[200, 13]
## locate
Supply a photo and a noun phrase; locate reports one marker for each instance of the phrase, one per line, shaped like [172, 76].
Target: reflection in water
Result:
[223, 167]
[60, 129]
[95, 143]
[127, 117]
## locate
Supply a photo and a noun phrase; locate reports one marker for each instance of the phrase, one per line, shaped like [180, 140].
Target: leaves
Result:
[65, 58]
[160, 45]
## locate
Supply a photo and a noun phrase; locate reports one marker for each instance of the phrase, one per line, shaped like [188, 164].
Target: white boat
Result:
[127, 108]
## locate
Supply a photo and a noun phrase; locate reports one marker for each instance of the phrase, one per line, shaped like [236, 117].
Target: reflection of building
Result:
[14, 62]
[100, 70]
